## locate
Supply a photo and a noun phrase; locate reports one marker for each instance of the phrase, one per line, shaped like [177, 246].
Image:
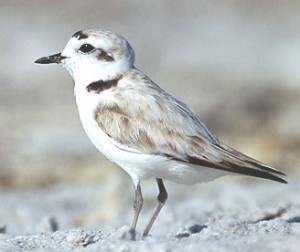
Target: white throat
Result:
[89, 73]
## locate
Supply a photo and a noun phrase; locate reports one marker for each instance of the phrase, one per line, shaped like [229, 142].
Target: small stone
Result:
[196, 228]
[2, 229]
[191, 230]
[184, 234]
[53, 224]
[48, 225]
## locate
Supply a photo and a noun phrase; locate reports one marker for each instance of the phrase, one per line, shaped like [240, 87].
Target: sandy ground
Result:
[235, 62]
[226, 215]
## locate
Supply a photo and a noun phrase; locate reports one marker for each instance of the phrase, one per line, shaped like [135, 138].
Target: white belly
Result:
[136, 164]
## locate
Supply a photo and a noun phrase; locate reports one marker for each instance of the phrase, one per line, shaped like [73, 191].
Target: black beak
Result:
[56, 58]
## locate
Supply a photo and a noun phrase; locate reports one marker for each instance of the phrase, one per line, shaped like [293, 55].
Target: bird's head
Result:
[92, 55]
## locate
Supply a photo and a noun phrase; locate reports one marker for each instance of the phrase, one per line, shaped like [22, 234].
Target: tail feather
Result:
[257, 171]
[249, 160]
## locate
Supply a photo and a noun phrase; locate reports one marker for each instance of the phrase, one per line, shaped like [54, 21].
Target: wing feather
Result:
[149, 120]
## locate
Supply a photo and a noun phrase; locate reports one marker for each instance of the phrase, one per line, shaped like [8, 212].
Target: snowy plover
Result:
[139, 126]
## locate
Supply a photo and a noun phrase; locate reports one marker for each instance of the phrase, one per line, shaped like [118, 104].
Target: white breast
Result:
[130, 160]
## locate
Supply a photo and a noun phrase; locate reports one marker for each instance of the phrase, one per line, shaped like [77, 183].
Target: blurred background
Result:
[237, 63]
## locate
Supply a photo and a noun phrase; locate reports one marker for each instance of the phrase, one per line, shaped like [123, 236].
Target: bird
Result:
[139, 126]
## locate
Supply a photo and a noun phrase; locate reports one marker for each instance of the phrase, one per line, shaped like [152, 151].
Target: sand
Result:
[225, 215]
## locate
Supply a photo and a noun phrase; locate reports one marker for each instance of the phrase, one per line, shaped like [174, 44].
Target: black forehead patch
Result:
[80, 35]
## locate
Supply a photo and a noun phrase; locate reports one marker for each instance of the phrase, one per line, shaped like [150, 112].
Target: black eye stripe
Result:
[103, 55]
[86, 48]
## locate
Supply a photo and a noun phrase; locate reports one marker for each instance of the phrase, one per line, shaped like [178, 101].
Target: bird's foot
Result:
[129, 235]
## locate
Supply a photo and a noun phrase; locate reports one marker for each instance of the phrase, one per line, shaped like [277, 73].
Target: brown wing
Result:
[149, 120]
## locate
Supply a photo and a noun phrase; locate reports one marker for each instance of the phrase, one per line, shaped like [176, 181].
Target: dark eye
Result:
[86, 48]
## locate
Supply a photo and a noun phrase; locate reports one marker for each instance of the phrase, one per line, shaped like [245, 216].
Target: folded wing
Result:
[158, 124]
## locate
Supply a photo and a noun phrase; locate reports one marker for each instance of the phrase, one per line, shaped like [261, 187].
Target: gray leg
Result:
[137, 207]
[161, 200]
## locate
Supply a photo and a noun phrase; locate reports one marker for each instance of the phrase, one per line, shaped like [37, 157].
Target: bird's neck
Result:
[85, 76]
[100, 85]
